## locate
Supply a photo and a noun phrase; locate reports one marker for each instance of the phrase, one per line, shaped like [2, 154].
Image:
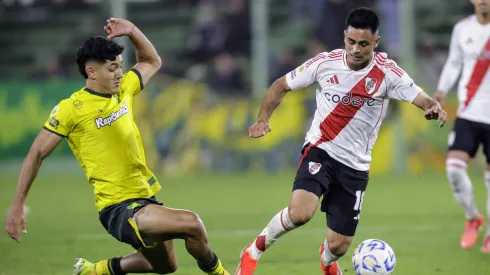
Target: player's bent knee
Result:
[195, 226]
[300, 215]
[458, 154]
[455, 169]
[302, 206]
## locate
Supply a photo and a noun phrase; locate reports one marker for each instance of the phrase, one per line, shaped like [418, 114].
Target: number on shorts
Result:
[359, 198]
[358, 205]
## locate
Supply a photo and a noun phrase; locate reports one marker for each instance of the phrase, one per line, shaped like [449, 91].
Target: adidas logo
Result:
[333, 80]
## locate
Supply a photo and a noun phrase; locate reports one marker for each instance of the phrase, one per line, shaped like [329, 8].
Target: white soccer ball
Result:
[373, 257]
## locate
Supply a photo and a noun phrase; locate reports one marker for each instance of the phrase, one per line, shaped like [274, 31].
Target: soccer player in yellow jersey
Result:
[97, 122]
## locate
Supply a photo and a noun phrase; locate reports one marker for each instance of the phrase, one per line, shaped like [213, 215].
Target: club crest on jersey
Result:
[55, 110]
[371, 85]
[78, 104]
[314, 167]
[107, 121]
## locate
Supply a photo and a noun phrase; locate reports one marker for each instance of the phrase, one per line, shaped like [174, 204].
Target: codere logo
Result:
[107, 121]
[349, 99]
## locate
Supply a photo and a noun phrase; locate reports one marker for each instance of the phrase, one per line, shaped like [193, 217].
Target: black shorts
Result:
[468, 135]
[341, 186]
[117, 219]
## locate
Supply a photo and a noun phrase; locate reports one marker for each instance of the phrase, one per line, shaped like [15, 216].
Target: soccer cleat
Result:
[83, 267]
[470, 234]
[486, 245]
[247, 264]
[332, 269]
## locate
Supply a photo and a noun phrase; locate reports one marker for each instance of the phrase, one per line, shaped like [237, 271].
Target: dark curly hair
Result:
[99, 49]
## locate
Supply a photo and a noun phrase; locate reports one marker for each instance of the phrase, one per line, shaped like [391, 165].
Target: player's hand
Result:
[118, 27]
[439, 97]
[16, 221]
[436, 112]
[259, 129]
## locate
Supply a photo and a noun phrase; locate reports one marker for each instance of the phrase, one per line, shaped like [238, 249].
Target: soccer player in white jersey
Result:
[354, 87]
[469, 56]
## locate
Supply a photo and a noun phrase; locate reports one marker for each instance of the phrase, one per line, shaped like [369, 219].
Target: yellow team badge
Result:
[77, 104]
[300, 69]
[133, 205]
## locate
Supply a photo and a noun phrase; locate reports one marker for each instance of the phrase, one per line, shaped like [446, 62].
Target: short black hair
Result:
[99, 49]
[363, 18]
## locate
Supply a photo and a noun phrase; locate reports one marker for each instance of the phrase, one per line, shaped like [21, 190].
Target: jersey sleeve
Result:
[60, 120]
[403, 87]
[132, 83]
[306, 74]
[454, 63]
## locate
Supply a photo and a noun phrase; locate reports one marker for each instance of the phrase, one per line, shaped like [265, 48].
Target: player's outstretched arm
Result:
[431, 107]
[42, 146]
[273, 98]
[297, 79]
[148, 62]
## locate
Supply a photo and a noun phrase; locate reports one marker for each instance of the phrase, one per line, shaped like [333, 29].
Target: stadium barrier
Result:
[185, 128]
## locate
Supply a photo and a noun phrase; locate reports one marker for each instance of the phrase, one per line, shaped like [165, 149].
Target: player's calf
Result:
[338, 244]
[160, 259]
[462, 187]
[158, 223]
[463, 193]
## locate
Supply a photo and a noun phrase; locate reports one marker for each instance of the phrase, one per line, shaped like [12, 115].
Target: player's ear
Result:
[377, 41]
[90, 70]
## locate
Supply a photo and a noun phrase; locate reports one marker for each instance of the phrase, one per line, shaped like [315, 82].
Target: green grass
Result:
[416, 215]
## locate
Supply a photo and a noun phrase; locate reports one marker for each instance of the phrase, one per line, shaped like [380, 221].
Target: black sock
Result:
[115, 266]
[210, 266]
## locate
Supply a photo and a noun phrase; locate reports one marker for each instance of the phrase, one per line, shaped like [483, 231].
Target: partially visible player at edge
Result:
[469, 55]
[98, 123]
[354, 88]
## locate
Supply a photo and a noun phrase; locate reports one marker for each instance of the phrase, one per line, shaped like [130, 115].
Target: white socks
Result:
[462, 188]
[278, 226]
[327, 257]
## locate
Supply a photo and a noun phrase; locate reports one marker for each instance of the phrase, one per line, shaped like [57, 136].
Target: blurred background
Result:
[220, 57]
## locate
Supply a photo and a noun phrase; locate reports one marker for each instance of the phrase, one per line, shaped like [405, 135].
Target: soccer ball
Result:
[373, 257]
